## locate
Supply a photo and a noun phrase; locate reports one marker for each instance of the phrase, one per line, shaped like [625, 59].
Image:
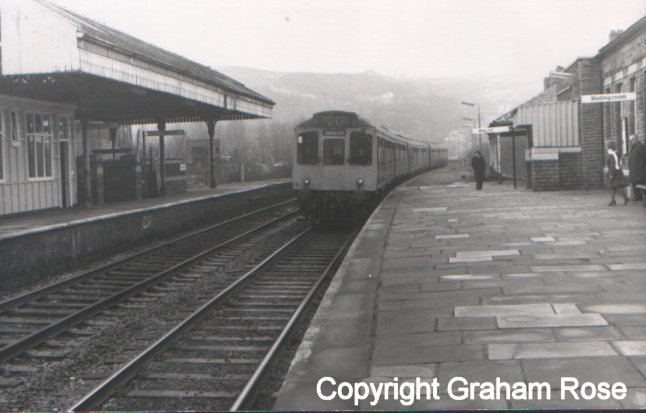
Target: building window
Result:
[39, 145]
[1, 148]
[631, 110]
[63, 129]
[620, 122]
[13, 127]
[0, 43]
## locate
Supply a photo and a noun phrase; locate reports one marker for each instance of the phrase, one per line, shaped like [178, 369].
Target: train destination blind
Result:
[334, 120]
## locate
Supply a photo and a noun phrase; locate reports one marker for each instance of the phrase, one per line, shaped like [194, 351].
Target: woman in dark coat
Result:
[616, 178]
[478, 165]
[637, 166]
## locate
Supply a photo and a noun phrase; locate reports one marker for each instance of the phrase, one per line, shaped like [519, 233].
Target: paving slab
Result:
[522, 335]
[557, 320]
[500, 310]
[421, 353]
[588, 333]
[608, 369]
[549, 350]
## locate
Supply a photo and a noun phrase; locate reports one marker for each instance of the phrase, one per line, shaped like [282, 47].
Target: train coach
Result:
[343, 162]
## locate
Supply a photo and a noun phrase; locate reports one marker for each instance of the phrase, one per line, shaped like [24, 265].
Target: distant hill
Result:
[423, 108]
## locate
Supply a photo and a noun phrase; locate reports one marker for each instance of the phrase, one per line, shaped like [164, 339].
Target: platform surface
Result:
[445, 281]
[38, 221]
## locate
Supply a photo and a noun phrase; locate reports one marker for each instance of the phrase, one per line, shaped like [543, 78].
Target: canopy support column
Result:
[210, 125]
[161, 127]
[113, 140]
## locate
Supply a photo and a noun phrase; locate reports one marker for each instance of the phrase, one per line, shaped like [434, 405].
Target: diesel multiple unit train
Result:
[343, 161]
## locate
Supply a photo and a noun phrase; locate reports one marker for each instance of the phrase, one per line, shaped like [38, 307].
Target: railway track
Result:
[29, 320]
[218, 357]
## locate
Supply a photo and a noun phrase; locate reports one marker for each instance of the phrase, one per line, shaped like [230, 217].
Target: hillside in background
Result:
[423, 108]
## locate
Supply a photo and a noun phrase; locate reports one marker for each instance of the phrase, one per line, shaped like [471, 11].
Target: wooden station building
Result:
[61, 72]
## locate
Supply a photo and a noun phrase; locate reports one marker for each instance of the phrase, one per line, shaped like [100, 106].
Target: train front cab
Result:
[334, 170]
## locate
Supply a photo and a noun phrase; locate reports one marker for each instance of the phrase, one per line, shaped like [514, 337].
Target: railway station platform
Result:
[39, 244]
[458, 286]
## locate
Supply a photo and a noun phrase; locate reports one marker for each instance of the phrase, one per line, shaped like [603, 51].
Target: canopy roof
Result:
[53, 54]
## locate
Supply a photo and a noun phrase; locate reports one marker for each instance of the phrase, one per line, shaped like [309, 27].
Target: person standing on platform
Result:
[616, 178]
[478, 166]
[637, 166]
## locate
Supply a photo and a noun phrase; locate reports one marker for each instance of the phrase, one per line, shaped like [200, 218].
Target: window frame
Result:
[365, 162]
[326, 143]
[13, 127]
[39, 139]
[299, 154]
[3, 157]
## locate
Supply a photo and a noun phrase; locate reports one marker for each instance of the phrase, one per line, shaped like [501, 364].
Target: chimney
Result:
[614, 34]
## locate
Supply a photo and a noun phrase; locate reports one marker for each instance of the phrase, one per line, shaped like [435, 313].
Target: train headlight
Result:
[306, 182]
[359, 183]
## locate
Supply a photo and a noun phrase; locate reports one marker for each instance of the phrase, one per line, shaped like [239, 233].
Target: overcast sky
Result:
[429, 38]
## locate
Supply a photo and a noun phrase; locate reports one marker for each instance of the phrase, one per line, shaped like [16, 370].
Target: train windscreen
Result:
[360, 148]
[308, 148]
[334, 151]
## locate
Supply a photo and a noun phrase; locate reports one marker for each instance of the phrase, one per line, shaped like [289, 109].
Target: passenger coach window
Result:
[308, 148]
[333, 151]
[360, 148]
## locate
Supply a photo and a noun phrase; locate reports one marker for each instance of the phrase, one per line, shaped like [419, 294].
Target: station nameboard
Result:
[608, 97]
[495, 129]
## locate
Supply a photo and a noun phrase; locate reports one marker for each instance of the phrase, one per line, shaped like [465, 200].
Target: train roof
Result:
[353, 120]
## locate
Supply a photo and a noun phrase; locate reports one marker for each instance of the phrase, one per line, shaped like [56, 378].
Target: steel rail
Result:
[16, 348]
[30, 295]
[250, 391]
[104, 390]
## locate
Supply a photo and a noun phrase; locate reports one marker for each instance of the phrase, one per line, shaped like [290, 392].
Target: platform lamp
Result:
[478, 106]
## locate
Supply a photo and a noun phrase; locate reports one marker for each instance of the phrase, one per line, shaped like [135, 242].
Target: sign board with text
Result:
[495, 129]
[608, 97]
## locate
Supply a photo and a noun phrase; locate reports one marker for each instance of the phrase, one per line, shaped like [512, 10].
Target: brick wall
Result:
[621, 64]
[545, 175]
[570, 170]
[528, 168]
[588, 74]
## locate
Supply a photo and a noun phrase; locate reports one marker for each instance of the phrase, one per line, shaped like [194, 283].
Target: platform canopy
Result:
[52, 54]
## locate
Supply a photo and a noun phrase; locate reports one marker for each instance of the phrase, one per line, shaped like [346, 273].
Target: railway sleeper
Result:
[191, 376]
[37, 312]
[187, 383]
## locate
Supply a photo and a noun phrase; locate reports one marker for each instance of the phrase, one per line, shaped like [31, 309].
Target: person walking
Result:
[637, 166]
[478, 166]
[616, 178]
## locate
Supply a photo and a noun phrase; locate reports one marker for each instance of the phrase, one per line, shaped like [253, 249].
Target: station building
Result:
[560, 141]
[62, 73]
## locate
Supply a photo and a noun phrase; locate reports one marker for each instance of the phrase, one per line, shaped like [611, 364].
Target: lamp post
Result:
[472, 144]
[479, 125]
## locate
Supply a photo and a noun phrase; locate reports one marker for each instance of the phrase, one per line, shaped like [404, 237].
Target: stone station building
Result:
[565, 144]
